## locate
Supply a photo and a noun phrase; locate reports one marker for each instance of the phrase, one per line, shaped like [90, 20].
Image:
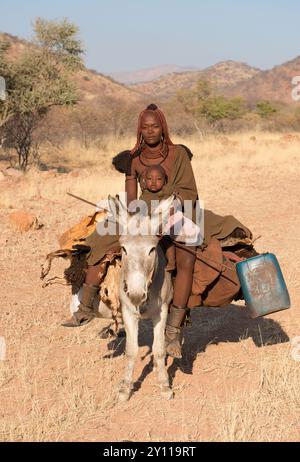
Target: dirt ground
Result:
[238, 379]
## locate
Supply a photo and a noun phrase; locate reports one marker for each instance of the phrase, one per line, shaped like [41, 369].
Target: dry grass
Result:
[59, 384]
[51, 383]
[96, 176]
[267, 407]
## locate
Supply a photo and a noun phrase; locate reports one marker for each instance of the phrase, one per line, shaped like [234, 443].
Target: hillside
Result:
[274, 84]
[94, 85]
[91, 83]
[148, 74]
[230, 78]
[17, 45]
[222, 75]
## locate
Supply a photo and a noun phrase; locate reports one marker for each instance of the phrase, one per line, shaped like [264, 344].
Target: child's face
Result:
[154, 180]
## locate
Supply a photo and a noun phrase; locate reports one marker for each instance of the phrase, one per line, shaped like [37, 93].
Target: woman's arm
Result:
[182, 180]
[130, 188]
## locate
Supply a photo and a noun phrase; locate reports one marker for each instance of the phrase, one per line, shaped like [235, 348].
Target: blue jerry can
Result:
[263, 285]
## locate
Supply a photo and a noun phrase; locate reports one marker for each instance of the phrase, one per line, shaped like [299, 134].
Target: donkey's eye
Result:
[152, 250]
[124, 250]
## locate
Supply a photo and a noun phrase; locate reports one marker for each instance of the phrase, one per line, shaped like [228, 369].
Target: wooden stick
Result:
[86, 201]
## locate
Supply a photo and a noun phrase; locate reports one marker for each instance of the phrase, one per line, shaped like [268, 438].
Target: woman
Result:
[153, 147]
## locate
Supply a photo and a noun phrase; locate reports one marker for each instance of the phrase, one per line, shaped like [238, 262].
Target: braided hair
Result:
[122, 161]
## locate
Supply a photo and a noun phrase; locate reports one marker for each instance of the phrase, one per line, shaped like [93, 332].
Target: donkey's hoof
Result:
[121, 333]
[125, 390]
[106, 333]
[167, 393]
[124, 396]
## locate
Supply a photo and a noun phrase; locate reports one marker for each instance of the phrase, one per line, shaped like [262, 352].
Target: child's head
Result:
[155, 178]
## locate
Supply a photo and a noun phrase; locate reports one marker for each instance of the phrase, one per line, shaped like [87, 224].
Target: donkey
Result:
[145, 290]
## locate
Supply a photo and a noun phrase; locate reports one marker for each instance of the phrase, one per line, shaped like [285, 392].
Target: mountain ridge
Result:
[230, 78]
[221, 74]
[92, 84]
[149, 73]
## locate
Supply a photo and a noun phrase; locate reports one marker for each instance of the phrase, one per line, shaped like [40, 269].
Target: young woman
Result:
[154, 147]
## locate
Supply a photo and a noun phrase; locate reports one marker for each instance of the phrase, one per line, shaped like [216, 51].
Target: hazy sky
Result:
[130, 34]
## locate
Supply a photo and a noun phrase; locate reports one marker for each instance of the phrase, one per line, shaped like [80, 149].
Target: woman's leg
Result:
[93, 275]
[171, 258]
[90, 288]
[100, 245]
[185, 261]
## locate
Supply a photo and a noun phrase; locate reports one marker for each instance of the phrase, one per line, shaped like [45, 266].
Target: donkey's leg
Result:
[131, 328]
[159, 352]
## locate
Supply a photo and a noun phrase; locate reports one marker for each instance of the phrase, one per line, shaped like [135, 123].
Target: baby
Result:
[154, 179]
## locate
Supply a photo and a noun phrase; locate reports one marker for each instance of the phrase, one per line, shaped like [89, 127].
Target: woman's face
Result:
[151, 130]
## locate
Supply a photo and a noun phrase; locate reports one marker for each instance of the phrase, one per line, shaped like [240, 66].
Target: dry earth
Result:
[239, 378]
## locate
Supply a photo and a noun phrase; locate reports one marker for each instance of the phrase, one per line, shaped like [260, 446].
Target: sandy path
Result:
[237, 380]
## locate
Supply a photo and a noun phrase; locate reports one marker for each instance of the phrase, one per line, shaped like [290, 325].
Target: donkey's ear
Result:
[118, 211]
[120, 204]
[112, 205]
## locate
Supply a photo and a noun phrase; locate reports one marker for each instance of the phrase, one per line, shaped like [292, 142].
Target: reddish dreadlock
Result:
[154, 110]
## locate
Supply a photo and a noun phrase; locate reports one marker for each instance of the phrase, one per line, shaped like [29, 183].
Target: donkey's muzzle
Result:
[137, 298]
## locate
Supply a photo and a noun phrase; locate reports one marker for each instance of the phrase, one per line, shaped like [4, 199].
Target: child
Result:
[154, 179]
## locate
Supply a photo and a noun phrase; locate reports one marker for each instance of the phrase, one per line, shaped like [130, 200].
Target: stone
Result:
[13, 172]
[23, 221]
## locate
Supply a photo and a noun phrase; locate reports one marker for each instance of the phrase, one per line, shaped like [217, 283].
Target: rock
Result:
[289, 138]
[13, 172]
[2, 176]
[52, 173]
[3, 241]
[23, 221]
[75, 173]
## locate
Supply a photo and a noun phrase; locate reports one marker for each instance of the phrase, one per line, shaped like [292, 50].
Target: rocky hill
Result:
[274, 84]
[148, 74]
[91, 83]
[222, 75]
[230, 78]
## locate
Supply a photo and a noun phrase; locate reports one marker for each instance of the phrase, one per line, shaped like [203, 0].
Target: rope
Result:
[205, 262]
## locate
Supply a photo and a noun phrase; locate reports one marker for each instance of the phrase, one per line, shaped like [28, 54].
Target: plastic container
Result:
[263, 285]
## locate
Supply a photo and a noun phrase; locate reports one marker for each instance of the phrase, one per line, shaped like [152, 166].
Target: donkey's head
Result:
[139, 248]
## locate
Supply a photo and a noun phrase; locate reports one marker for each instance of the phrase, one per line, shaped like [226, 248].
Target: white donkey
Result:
[145, 290]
